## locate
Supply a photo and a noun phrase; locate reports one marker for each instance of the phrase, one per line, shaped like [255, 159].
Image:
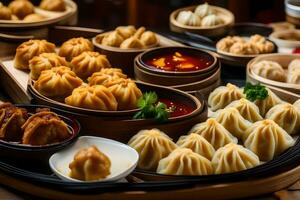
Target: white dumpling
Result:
[188, 18]
[297, 104]
[204, 10]
[211, 20]
[294, 64]
[294, 76]
[265, 105]
[269, 70]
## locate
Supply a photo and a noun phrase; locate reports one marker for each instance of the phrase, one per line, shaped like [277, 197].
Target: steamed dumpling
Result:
[43, 62]
[149, 38]
[95, 97]
[21, 8]
[152, 145]
[188, 18]
[233, 121]
[297, 104]
[183, 161]
[287, 116]
[126, 31]
[267, 103]
[197, 144]
[113, 39]
[214, 133]
[247, 109]
[126, 92]
[294, 76]
[294, 64]
[105, 76]
[211, 20]
[74, 47]
[53, 5]
[88, 62]
[269, 70]
[5, 13]
[267, 139]
[224, 95]
[204, 9]
[27, 50]
[132, 43]
[57, 82]
[233, 158]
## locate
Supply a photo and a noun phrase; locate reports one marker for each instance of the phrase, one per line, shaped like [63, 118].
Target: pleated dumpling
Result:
[224, 95]
[34, 18]
[152, 145]
[197, 144]
[43, 62]
[265, 105]
[188, 18]
[5, 13]
[149, 38]
[183, 161]
[27, 50]
[21, 8]
[113, 39]
[126, 92]
[294, 64]
[211, 20]
[267, 139]
[53, 5]
[132, 43]
[247, 109]
[233, 121]
[287, 116]
[88, 62]
[293, 76]
[203, 10]
[105, 76]
[57, 82]
[95, 97]
[269, 70]
[214, 133]
[74, 47]
[297, 104]
[126, 31]
[233, 158]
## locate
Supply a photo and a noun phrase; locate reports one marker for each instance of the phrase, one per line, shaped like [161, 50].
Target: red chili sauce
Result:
[179, 62]
[177, 109]
[297, 50]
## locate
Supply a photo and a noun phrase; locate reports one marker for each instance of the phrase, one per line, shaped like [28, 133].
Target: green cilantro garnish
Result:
[255, 92]
[151, 108]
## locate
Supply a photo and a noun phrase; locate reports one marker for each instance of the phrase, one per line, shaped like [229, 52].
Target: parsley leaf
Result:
[255, 92]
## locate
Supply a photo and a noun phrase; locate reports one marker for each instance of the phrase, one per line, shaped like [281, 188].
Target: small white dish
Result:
[123, 158]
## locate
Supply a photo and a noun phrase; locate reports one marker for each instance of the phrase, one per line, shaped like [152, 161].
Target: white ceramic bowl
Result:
[123, 158]
[278, 35]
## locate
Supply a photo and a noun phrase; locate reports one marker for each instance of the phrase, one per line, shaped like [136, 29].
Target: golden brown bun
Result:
[105, 76]
[33, 18]
[21, 8]
[53, 5]
[5, 13]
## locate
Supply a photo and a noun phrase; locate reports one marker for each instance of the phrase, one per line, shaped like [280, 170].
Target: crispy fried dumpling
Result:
[126, 31]
[245, 48]
[113, 39]
[57, 82]
[44, 127]
[149, 38]
[74, 47]
[211, 20]
[88, 62]
[105, 76]
[294, 64]
[287, 116]
[95, 97]
[197, 144]
[11, 121]
[90, 164]
[126, 92]
[188, 18]
[203, 10]
[269, 70]
[33, 18]
[139, 32]
[233, 121]
[21, 8]
[5, 13]
[152, 145]
[53, 5]
[233, 158]
[265, 105]
[226, 43]
[214, 133]
[267, 139]
[183, 161]
[43, 62]
[132, 43]
[294, 76]
[27, 50]
[224, 95]
[263, 45]
[247, 109]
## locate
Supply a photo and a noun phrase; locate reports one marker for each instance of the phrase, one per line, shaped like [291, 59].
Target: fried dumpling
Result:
[149, 38]
[293, 76]
[53, 5]
[44, 127]
[57, 82]
[211, 20]
[5, 13]
[183, 161]
[287, 116]
[95, 97]
[152, 145]
[74, 47]
[21, 8]
[126, 92]
[43, 62]
[263, 45]
[226, 43]
[203, 10]
[90, 164]
[269, 70]
[11, 121]
[188, 18]
[88, 62]
[126, 31]
[214, 133]
[132, 43]
[233, 158]
[265, 105]
[247, 109]
[113, 39]
[233, 121]
[244, 48]
[267, 139]
[27, 50]
[224, 95]
[197, 144]
[105, 76]
[33, 18]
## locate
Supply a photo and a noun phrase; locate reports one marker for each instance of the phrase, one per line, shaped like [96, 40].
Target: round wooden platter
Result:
[217, 191]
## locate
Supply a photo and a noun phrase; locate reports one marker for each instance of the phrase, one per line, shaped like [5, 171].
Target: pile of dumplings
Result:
[203, 16]
[76, 75]
[24, 10]
[257, 44]
[274, 71]
[128, 37]
[229, 141]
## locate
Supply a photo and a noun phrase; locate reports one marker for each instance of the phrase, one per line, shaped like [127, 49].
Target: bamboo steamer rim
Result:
[275, 36]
